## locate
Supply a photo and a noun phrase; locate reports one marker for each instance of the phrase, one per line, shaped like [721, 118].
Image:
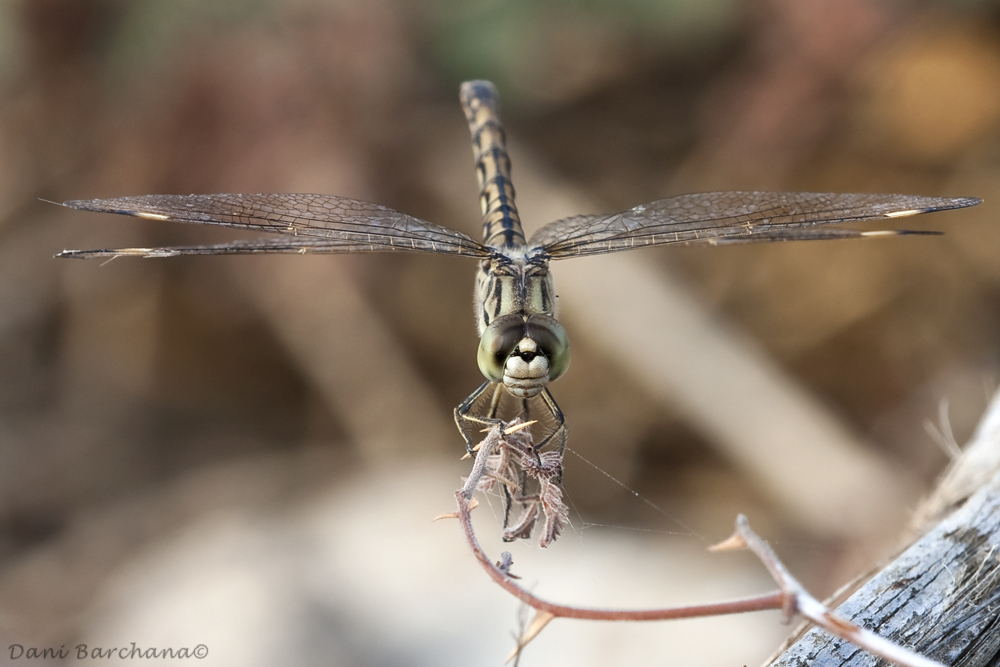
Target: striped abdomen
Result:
[501, 223]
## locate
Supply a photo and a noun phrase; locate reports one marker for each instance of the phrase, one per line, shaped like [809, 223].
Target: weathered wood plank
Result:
[940, 597]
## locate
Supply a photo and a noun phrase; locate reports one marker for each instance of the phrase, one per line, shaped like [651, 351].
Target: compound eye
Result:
[498, 342]
[552, 340]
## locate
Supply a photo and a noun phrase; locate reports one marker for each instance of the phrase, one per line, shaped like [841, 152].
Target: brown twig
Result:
[792, 598]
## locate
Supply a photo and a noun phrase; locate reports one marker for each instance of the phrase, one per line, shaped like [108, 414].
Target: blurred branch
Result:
[346, 349]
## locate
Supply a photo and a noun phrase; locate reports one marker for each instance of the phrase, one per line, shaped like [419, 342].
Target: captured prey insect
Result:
[522, 346]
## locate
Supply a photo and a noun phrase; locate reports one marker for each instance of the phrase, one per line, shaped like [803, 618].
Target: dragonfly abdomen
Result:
[501, 222]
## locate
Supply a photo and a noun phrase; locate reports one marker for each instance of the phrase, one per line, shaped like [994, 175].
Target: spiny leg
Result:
[559, 432]
[526, 415]
[462, 411]
[495, 403]
[492, 416]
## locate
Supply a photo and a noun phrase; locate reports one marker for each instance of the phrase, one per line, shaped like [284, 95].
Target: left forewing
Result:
[310, 223]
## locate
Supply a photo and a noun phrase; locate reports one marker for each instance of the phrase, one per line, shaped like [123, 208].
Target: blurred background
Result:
[246, 452]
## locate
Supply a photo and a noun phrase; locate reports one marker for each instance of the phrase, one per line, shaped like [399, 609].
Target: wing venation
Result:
[332, 224]
[715, 218]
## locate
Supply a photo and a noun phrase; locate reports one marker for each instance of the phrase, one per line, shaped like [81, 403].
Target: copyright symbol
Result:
[200, 651]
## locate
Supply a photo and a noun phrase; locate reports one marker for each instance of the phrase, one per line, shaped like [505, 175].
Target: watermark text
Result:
[84, 652]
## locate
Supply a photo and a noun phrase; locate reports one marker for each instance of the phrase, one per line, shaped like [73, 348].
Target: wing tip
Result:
[951, 203]
[900, 232]
[81, 254]
[111, 206]
[939, 204]
[119, 252]
[99, 206]
[79, 204]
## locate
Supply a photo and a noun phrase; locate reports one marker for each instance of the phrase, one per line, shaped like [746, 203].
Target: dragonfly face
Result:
[522, 346]
[524, 353]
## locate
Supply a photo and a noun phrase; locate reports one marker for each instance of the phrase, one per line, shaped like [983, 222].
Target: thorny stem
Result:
[769, 601]
[479, 467]
[792, 598]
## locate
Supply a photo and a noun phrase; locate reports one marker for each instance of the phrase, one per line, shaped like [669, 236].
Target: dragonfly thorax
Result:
[511, 284]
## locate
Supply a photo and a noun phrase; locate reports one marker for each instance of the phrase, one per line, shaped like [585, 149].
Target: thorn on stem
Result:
[733, 543]
[517, 427]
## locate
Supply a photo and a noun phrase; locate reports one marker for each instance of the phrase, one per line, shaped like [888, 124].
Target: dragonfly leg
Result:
[526, 415]
[558, 434]
[463, 418]
[508, 502]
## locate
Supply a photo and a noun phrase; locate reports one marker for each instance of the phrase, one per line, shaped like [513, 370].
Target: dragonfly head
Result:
[524, 353]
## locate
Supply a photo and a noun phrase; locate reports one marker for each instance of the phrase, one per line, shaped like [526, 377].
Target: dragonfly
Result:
[522, 347]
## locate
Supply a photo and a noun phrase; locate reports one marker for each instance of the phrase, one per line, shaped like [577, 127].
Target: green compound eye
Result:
[552, 340]
[498, 341]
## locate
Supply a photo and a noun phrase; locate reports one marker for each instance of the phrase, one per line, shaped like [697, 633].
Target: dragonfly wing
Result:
[713, 218]
[336, 224]
[820, 234]
[284, 245]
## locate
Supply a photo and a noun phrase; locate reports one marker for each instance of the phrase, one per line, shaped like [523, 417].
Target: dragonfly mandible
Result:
[522, 345]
